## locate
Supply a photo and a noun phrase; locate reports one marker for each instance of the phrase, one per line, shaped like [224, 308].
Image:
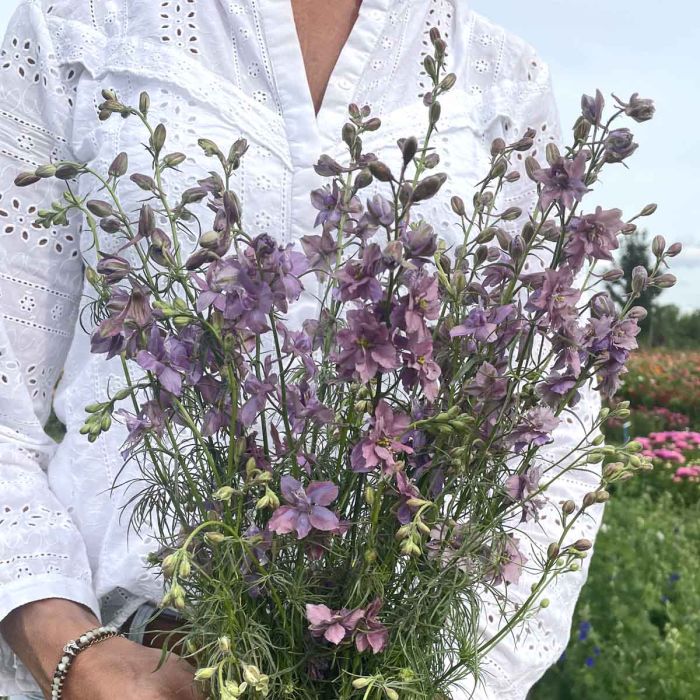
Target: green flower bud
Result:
[360, 683]
[158, 138]
[391, 694]
[204, 674]
[223, 494]
[144, 103]
[26, 179]
[119, 165]
[429, 187]
[99, 208]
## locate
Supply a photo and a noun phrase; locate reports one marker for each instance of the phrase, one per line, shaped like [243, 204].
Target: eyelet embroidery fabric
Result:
[208, 67]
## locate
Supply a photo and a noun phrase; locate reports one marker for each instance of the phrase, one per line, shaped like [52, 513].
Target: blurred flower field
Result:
[636, 630]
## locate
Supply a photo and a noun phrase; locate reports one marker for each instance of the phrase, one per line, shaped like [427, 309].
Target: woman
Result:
[219, 69]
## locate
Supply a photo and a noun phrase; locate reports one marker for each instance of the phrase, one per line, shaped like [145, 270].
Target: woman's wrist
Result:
[38, 631]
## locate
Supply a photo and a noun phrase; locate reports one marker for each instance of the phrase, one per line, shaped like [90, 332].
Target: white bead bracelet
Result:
[71, 650]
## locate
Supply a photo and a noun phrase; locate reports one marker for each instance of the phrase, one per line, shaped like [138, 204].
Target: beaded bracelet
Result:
[71, 650]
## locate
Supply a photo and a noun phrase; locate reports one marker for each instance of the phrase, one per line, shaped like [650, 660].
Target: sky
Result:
[622, 46]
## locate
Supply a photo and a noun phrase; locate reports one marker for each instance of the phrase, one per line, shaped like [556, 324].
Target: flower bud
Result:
[448, 82]
[210, 148]
[648, 210]
[214, 538]
[26, 179]
[381, 171]
[158, 138]
[553, 551]
[172, 160]
[602, 496]
[517, 247]
[225, 493]
[613, 275]
[532, 166]
[665, 281]
[511, 214]
[204, 674]
[588, 500]
[144, 182]
[119, 165]
[569, 507]
[372, 124]
[434, 112]
[409, 148]
[432, 160]
[674, 249]
[640, 279]
[638, 313]
[67, 171]
[99, 208]
[457, 204]
[168, 565]
[429, 187]
[582, 129]
[46, 171]
[144, 103]
[363, 179]
[499, 168]
[498, 146]
[582, 545]
[391, 694]
[360, 683]
[544, 603]
[552, 153]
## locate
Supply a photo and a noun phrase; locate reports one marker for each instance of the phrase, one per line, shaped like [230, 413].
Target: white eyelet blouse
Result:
[219, 69]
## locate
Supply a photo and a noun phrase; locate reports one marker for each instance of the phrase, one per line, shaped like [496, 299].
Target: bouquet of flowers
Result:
[331, 496]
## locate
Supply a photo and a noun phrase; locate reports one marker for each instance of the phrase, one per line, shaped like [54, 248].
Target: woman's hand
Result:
[114, 669]
[117, 668]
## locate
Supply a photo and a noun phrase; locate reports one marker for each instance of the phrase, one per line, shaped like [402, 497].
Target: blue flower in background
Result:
[674, 577]
[596, 651]
[583, 630]
[590, 662]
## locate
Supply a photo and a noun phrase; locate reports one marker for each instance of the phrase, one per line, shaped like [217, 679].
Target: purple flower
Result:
[150, 419]
[303, 405]
[510, 563]
[280, 267]
[332, 625]
[370, 633]
[230, 289]
[420, 242]
[365, 347]
[482, 324]
[257, 391]
[592, 107]
[556, 387]
[419, 366]
[383, 441]
[321, 252]
[563, 181]
[113, 267]
[488, 384]
[593, 237]
[306, 509]
[130, 314]
[421, 304]
[613, 340]
[326, 201]
[556, 296]
[380, 211]
[535, 429]
[407, 490]
[358, 278]
[519, 488]
[166, 358]
[619, 145]
[640, 109]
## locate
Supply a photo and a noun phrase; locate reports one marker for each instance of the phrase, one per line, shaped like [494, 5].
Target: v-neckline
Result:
[308, 131]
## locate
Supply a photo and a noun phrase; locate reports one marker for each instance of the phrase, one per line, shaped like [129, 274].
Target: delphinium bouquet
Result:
[333, 497]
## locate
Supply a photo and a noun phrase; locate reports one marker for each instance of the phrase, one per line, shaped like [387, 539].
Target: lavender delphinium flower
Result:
[563, 181]
[520, 487]
[383, 442]
[619, 145]
[556, 296]
[364, 347]
[370, 633]
[332, 625]
[534, 429]
[167, 359]
[306, 508]
[357, 279]
[593, 237]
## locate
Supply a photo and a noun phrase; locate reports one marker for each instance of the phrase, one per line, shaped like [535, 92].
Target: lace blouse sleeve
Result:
[515, 663]
[42, 554]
